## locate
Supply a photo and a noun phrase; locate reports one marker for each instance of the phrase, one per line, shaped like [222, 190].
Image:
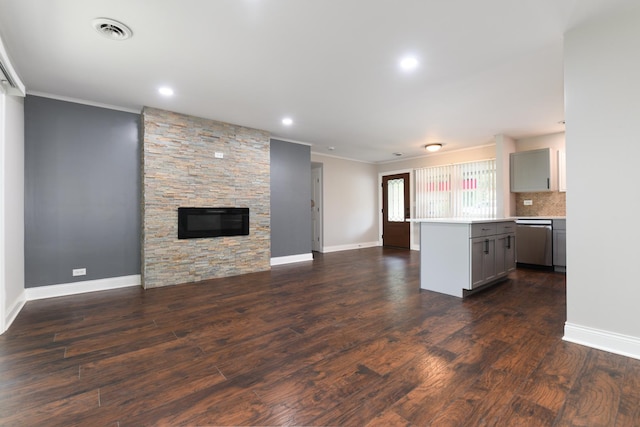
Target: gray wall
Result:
[290, 199]
[82, 192]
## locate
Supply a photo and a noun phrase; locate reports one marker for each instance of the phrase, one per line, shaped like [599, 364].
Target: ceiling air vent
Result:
[112, 29]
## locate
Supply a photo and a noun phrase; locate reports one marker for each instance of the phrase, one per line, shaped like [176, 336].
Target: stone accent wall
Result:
[550, 203]
[179, 169]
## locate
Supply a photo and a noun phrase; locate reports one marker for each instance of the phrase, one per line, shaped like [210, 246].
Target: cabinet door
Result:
[483, 260]
[510, 252]
[477, 261]
[560, 248]
[489, 262]
[530, 170]
[501, 254]
[505, 254]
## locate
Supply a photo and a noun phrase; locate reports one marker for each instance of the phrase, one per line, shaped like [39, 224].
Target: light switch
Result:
[219, 155]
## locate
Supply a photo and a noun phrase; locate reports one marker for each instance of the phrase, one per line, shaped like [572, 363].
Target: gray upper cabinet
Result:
[530, 171]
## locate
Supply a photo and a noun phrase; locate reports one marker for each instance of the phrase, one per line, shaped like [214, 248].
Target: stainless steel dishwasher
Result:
[534, 242]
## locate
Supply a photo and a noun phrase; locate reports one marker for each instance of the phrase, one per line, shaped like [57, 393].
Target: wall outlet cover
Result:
[79, 272]
[528, 202]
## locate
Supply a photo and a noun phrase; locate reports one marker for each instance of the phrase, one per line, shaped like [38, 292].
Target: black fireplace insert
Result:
[212, 222]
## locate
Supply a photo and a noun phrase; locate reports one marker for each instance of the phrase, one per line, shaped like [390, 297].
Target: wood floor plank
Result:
[594, 399]
[348, 339]
[629, 409]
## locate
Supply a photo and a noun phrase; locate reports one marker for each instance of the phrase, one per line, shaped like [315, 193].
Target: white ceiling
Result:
[486, 67]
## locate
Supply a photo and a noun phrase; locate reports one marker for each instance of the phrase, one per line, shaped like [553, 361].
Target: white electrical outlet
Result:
[79, 272]
[219, 155]
[528, 202]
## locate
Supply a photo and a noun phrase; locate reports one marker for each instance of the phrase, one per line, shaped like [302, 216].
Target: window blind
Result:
[462, 190]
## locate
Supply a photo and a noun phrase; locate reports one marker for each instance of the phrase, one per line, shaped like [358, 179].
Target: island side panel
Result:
[444, 257]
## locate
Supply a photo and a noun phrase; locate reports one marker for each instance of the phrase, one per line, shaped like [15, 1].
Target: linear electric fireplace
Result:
[212, 222]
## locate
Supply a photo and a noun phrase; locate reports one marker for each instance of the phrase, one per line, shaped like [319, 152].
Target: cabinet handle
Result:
[548, 183]
[508, 242]
[486, 246]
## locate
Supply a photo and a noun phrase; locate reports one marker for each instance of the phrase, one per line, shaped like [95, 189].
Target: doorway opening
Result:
[316, 207]
[396, 210]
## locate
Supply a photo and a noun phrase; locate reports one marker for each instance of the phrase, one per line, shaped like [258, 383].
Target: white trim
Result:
[3, 281]
[289, 259]
[612, 342]
[19, 90]
[84, 102]
[349, 247]
[415, 247]
[52, 291]
[14, 310]
[293, 141]
[439, 153]
[317, 153]
[412, 203]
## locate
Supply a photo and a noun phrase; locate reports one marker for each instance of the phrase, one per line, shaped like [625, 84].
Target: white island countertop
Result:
[461, 220]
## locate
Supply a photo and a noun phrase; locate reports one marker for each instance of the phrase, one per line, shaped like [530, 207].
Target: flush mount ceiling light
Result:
[432, 148]
[112, 29]
[165, 91]
[409, 63]
[287, 121]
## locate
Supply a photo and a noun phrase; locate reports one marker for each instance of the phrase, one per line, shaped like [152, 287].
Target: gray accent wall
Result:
[290, 199]
[82, 192]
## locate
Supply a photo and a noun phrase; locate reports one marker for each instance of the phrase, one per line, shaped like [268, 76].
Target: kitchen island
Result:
[461, 256]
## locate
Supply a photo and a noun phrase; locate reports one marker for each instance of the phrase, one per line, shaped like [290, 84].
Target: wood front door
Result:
[395, 209]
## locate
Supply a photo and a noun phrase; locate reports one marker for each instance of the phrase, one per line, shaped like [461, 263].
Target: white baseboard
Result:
[64, 289]
[349, 247]
[13, 311]
[612, 342]
[289, 259]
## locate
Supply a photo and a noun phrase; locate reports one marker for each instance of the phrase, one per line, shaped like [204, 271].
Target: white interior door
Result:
[316, 208]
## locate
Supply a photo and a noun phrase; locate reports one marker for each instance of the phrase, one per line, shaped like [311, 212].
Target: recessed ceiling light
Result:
[287, 121]
[165, 91]
[432, 148]
[409, 63]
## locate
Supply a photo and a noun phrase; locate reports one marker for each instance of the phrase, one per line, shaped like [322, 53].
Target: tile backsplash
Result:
[550, 203]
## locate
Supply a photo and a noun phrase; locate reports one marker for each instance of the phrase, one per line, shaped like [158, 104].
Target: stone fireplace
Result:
[195, 162]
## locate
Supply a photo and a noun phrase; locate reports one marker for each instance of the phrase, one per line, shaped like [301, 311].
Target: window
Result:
[463, 190]
[395, 200]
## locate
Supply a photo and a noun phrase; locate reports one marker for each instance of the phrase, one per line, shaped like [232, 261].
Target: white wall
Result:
[555, 141]
[435, 159]
[442, 158]
[505, 199]
[602, 105]
[350, 203]
[12, 207]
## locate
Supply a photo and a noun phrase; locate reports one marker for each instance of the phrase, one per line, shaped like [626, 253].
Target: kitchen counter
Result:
[462, 220]
[539, 217]
[459, 256]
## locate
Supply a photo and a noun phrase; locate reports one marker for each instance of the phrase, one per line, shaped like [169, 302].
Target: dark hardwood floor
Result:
[346, 340]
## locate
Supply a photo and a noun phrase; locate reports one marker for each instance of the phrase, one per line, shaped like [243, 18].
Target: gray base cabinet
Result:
[463, 256]
[559, 244]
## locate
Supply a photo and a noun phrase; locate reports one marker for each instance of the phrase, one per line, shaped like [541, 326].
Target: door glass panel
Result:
[395, 200]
